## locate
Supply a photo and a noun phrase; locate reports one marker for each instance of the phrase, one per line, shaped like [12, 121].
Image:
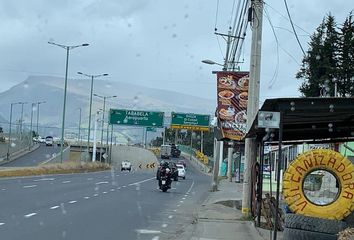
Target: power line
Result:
[292, 25]
[308, 34]
[275, 75]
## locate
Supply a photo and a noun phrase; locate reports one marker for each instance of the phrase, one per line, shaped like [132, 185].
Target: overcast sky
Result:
[156, 43]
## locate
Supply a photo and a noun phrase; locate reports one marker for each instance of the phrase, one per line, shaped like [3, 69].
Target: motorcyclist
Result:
[165, 171]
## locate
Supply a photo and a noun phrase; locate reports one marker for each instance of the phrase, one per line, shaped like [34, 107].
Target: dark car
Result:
[175, 152]
[173, 168]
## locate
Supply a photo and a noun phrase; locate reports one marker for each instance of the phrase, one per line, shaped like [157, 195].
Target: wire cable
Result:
[292, 25]
[216, 14]
[276, 71]
[308, 34]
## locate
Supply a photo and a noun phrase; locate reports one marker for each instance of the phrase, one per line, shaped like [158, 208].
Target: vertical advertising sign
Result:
[232, 95]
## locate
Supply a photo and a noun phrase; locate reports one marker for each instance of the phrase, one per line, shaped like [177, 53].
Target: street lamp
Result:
[89, 126]
[104, 111]
[210, 62]
[8, 146]
[38, 103]
[21, 120]
[67, 48]
[79, 137]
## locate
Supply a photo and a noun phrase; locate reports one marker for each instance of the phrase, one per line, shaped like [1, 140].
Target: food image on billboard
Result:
[232, 95]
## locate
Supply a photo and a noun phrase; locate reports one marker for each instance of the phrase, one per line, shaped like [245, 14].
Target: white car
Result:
[181, 171]
[126, 165]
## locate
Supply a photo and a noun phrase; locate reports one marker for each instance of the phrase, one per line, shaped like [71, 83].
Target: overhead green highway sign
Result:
[190, 121]
[136, 118]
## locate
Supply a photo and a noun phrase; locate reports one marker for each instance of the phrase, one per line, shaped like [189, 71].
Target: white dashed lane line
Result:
[30, 186]
[72, 202]
[1, 223]
[55, 207]
[43, 179]
[112, 190]
[164, 225]
[87, 197]
[170, 216]
[104, 192]
[89, 179]
[30, 215]
[99, 183]
[66, 182]
[95, 195]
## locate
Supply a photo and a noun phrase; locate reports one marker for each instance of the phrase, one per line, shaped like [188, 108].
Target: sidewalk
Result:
[219, 217]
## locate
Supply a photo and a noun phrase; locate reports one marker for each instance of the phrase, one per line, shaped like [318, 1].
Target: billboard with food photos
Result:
[232, 95]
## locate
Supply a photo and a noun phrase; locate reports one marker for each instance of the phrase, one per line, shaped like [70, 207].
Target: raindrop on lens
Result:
[330, 130]
[318, 57]
[313, 126]
[13, 144]
[330, 125]
[292, 103]
[292, 108]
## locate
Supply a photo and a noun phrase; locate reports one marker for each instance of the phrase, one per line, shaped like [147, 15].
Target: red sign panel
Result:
[232, 98]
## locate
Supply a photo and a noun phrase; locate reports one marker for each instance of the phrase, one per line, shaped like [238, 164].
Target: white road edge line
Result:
[141, 181]
[55, 207]
[29, 186]
[30, 215]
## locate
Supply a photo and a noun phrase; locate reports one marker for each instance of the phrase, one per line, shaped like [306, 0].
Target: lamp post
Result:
[31, 135]
[89, 126]
[38, 103]
[103, 113]
[21, 119]
[79, 137]
[9, 144]
[67, 48]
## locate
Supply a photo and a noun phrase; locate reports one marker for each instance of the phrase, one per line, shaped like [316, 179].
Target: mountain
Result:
[129, 96]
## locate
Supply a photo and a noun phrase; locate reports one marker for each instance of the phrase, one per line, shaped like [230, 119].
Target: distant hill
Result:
[129, 96]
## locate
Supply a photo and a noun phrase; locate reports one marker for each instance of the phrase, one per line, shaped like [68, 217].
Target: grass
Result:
[58, 168]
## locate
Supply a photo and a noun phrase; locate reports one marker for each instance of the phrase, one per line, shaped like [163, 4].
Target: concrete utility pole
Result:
[229, 161]
[253, 103]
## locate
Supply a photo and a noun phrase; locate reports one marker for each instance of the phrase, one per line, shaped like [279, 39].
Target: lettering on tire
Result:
[320, 159]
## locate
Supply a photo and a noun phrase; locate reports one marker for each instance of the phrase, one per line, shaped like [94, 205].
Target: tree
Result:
[346, 58]
[320, 64]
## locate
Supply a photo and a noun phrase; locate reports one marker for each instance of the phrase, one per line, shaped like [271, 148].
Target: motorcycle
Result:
[165, 180]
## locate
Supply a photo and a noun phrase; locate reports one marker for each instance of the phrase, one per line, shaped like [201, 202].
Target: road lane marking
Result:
[190, 187]
[124, 186]
[55, 207]
[186, 195]
[4, 189]
[164, 225]
[181, 201]
[178, 205]
[71, 202]
[95, 195]
[66, 182]
[89, 179]
[175, 210]
[147, 231]
[136, 183]
[30, 215]
[29, 186]
[104, 192]
[87, 197]
[98, 183]
[112, 190]
[2, 223]
[170, 216]
[155, 238]
[106, 177]
[43, 179]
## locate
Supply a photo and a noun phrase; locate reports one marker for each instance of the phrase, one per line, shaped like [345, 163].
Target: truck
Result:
[165, 151]
[175, 152]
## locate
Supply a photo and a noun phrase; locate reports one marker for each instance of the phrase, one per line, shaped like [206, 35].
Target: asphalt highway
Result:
[101, 205]
[40, 155]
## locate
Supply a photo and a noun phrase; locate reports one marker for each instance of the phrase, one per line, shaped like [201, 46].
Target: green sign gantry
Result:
[136, 118]
[190, 121]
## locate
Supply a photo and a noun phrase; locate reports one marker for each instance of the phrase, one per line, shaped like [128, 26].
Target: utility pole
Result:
[94, 138]
[229, 161]
[31, 136]
[253, 103]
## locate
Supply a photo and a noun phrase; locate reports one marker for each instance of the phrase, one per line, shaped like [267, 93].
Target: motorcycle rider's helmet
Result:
[165, 164]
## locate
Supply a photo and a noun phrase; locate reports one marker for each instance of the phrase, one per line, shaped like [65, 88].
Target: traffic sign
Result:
[136, 118]
[190, 121]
